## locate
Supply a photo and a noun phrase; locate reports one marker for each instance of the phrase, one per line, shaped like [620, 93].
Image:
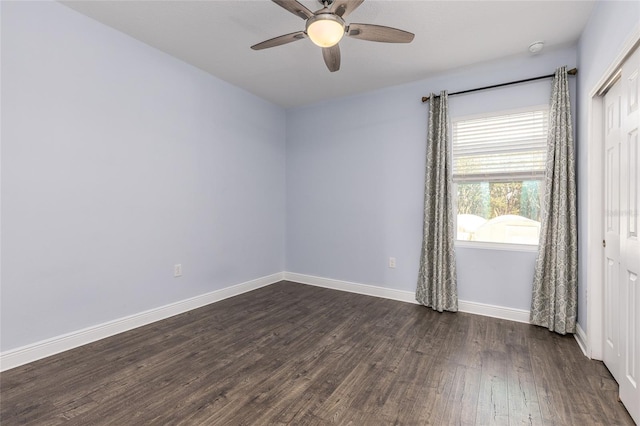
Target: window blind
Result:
[500, 148]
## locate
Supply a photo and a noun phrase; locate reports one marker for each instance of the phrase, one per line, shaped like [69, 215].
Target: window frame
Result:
[487, 245]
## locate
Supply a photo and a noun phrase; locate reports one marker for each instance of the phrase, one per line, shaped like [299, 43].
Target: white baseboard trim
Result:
[351, 287]
[33, 352]
[581, 338]
[518, 315]
[494, 311]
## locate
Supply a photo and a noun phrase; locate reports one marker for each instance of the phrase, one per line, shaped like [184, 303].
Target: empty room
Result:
[350, 212]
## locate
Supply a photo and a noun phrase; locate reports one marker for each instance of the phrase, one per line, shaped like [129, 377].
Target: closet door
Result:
[629, 368]
[613, 138]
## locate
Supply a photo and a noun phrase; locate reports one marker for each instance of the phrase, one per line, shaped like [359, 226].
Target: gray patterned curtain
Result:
[437, 287]
[555, 285]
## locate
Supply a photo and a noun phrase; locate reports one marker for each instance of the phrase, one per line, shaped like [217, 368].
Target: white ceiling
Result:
[215, 36]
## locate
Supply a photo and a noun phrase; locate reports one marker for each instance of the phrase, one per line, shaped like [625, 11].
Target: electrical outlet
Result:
[392, 262]
[177, 270]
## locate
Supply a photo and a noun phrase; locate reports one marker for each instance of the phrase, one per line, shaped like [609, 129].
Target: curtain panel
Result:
[437, 286]
[554, 301]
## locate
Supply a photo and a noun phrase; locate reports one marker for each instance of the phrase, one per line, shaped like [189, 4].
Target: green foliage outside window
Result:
[493, 199]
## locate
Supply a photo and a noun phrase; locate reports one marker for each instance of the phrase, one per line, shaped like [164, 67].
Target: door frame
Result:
[593, 341]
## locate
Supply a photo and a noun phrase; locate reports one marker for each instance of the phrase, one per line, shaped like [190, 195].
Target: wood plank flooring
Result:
[300, 355]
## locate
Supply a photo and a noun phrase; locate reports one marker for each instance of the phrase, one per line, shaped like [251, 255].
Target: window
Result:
[498, 175]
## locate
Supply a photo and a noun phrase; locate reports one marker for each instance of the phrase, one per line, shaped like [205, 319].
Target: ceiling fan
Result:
[326, 27]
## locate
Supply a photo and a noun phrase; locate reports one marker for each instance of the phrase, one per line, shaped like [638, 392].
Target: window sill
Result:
[496, 246]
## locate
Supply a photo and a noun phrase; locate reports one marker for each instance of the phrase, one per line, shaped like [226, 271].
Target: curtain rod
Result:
[573, 71]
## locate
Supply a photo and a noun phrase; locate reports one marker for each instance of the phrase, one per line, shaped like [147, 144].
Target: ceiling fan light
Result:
[325, 30]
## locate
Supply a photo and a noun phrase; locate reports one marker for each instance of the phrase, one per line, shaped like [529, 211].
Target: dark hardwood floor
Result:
[302, 355]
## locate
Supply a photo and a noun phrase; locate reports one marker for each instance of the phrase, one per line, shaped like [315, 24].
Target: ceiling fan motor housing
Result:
[325, 29]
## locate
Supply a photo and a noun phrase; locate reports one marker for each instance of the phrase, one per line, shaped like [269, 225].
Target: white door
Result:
[629, 238]
[612, 137]
[622, 221]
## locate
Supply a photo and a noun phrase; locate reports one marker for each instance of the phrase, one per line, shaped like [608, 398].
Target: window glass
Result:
[498, 171]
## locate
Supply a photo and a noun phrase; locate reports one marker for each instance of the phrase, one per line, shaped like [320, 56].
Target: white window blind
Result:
[500, 148]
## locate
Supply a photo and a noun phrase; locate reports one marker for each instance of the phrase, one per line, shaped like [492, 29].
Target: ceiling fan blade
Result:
[294, 7]
[277, 41]
[344, 7]
[331, 57]
[379, 33]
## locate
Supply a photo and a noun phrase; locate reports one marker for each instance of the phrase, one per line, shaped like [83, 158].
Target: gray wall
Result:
[355, 173]
[119, 161]
[610, 25]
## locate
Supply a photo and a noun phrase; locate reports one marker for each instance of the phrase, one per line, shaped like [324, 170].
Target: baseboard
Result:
[494, 311]
[365, 289]
[581, 338]
[33, 352]
[511, 314]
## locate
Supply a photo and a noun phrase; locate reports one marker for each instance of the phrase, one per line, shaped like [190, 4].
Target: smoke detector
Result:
[536, 46]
